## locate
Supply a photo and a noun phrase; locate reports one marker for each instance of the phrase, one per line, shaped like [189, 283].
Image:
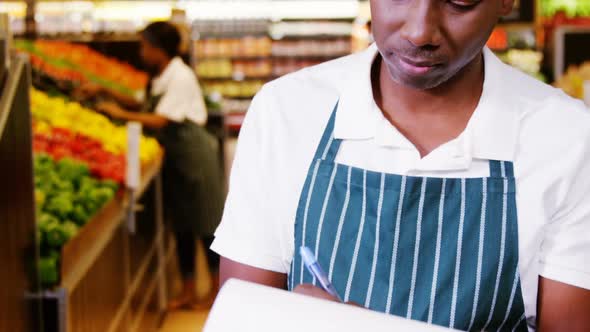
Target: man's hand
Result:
[562, 307]
[313, 291]
[318, 293]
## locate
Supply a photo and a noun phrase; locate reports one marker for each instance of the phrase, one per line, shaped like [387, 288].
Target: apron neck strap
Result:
[501, 169]
[329, 146]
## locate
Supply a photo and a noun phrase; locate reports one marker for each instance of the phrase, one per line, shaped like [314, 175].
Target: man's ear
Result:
[506, 7]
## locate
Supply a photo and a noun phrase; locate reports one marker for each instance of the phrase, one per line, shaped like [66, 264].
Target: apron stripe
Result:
[323, 215]
[514, 284]
[340, 225]
[503, 165]
[376, 250]
[502, 249]
[482, 224]
[458, 257]
[522, 318]
[309, 193]
[417, 248]
[358, 240]
[441, 210]
[402, 192]
[495, 169]
[328, 146]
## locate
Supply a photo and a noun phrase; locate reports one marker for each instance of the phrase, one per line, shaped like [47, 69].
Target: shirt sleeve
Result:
[565, 249]
[248, 233]
[183, 99]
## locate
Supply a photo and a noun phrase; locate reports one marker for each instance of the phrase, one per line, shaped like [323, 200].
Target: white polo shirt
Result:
[545, 133]
[181, 94]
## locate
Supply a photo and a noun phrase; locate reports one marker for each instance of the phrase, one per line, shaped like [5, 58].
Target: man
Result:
[432, 181]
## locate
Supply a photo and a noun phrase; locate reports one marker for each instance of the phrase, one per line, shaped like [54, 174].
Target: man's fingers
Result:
[313, 291]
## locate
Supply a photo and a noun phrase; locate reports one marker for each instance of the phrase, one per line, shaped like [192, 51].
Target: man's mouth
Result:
[417, 66]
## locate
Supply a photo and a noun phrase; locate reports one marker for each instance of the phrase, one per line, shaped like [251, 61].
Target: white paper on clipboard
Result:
[245, 307]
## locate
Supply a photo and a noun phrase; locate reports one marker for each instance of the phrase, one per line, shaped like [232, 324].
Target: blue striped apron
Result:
[438, 250]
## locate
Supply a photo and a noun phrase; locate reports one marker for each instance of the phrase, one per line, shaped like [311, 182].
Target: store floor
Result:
[193, 321]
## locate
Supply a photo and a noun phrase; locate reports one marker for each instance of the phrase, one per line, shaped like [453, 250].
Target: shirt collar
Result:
[491, 133]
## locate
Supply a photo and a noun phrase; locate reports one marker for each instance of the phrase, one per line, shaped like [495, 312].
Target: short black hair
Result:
[163, 35]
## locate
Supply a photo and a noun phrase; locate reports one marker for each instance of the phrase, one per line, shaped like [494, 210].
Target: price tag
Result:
[587, 92]
[133, 160]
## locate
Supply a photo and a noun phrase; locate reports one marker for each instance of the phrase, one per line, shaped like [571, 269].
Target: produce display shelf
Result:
[233, 57]
[79, 254]
[310, 56]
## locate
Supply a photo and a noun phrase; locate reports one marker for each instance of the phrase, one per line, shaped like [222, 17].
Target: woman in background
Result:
[175, 113]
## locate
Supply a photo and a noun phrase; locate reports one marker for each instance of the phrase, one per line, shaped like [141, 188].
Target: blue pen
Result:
[313, 266]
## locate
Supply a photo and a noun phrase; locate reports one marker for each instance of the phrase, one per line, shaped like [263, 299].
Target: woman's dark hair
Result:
[163, 35]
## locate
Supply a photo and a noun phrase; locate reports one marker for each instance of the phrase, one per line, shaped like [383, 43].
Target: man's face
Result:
[425, 43]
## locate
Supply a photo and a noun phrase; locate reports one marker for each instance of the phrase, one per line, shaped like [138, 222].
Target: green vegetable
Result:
[69, 230]
[72, 171]
[92, 206]
[61, 205]
[45, 221]
[39, 198]
[110, 184]
[79, 215]
[66, 197]
[48, 271]
[101, 195]
[54, 236]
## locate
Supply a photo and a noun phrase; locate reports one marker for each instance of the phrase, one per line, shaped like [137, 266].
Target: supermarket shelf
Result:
[311, 56]
[229, 35]
[516, 26]
[323, 37]
[90, 38]
[79, 254]
[233, 57]
[326, 19]
[234, 120]
[238, 97]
